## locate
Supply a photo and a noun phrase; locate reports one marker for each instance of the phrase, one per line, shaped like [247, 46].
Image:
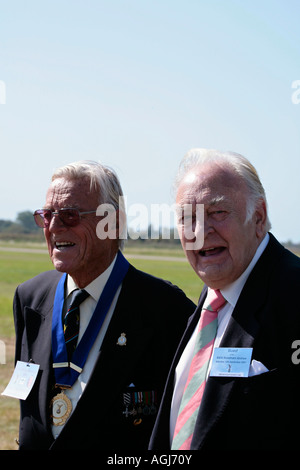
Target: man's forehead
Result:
[62, 189]
[210, 183]
[69, 186]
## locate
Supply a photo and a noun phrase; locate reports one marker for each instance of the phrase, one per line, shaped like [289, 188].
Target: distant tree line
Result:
[25, 228]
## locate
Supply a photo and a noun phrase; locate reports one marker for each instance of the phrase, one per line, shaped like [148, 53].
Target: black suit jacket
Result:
[151, 312]
[260, 412]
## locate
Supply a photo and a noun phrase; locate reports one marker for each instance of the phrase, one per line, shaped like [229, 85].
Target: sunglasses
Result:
[69, 217]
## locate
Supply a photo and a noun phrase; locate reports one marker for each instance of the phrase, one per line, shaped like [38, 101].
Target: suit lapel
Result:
[37, 348]
[160, 438]
[38, 325]
[218, 389]
[115, 360]
[242, 330]
[125, 320]
[191, 325]
[38, 345]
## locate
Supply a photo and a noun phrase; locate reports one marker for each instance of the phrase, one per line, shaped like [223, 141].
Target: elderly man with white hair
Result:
[234, 381]
[102, 332]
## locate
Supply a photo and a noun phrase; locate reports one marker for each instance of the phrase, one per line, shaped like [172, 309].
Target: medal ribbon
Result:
[66, 373]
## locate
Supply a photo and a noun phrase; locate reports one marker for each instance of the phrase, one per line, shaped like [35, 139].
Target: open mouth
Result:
[212, 251]
[63, 245]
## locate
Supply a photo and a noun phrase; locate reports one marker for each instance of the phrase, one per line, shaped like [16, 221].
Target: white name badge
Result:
[22, 380]
[231, 362]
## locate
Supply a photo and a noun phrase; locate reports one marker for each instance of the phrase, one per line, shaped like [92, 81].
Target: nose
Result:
[208, 227]
[56, 224]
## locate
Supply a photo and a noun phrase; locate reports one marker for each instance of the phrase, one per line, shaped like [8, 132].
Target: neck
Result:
[83, 279]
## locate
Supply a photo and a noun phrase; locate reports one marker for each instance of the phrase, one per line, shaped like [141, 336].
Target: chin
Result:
[212, 279]
[59, 266]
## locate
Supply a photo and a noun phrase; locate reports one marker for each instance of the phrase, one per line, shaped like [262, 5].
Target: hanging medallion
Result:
[61, 408]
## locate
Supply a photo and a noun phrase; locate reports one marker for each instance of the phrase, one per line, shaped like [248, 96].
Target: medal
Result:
[61, 407]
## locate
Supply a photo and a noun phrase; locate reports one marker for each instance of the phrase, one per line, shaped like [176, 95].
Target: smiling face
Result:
[77, 250]
[229, 243]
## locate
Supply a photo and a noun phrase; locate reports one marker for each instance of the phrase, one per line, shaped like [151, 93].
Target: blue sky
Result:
[136, 84]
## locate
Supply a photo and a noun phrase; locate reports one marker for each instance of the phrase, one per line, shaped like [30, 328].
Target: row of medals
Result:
[137, 410]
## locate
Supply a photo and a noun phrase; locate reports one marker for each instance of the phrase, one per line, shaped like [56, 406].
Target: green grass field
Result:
[17, 266]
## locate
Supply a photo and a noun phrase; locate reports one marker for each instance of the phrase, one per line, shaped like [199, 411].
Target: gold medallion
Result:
[61, 407]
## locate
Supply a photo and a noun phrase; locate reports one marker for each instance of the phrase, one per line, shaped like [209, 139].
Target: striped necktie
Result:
[71, 321]
[195, 384]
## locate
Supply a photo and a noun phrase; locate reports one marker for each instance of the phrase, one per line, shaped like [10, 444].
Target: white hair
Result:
[198, 157]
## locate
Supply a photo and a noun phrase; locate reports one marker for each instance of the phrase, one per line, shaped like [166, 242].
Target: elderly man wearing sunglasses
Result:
[102, 359]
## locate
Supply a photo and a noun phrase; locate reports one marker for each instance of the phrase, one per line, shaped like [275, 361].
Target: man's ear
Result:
[261, 218]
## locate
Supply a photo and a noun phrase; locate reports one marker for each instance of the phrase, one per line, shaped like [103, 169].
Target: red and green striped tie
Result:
[195, 384]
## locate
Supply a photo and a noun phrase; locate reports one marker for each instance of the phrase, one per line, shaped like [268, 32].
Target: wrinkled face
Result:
[229, 244]
[77, 250]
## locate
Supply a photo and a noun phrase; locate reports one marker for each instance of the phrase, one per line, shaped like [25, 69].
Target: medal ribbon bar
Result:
[60, 364]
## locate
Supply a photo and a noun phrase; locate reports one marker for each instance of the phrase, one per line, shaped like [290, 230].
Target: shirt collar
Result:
[96, 287]
[232, 292]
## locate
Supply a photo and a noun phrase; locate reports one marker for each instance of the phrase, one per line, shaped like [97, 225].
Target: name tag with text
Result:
[22, 380]
[231, 362]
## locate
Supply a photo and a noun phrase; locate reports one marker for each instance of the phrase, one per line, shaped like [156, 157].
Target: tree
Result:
[27, 221]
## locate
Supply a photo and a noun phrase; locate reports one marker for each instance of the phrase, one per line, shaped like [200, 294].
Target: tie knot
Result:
[214, 300]
[78, 297]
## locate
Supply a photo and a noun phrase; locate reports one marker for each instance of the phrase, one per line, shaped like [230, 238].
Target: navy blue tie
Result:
[71, 321]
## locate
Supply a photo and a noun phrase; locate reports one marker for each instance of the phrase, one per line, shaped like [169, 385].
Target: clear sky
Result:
[137, 83]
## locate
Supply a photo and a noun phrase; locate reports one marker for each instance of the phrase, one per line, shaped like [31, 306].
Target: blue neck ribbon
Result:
[66, 372]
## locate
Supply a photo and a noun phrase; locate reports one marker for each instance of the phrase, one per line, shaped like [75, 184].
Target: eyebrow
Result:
[212, 202]
[216, 200]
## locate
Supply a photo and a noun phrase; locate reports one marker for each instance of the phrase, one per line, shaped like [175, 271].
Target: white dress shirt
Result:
[231, 293]
[87, 308]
